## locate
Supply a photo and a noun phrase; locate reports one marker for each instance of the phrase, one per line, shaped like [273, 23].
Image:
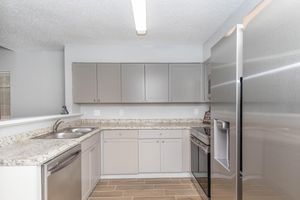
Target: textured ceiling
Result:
[53, 23]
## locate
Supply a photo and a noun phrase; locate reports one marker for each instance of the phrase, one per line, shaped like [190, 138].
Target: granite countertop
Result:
[35, 152]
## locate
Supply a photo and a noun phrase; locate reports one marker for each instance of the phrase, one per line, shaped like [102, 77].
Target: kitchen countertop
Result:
[35, 152]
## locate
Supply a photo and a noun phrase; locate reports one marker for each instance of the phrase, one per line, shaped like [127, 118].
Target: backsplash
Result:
[144, 111]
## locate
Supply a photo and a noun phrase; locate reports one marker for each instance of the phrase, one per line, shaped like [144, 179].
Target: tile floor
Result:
[145, 189]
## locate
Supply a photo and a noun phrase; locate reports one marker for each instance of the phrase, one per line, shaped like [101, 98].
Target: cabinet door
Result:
[186, 83]
[109, 83]
[84, 82]
[120, 156]
[207, 82]
[133, 87]
[149, 155]
[186, 151]
[171, 155]
[94, 162]
[157, 82]
[85, 175]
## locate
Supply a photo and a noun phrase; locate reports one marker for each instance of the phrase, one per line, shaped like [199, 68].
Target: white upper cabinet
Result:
[133, 83]
[186, 83]
[139, 83]
[157, 82]
[109, 83]
[84, 82]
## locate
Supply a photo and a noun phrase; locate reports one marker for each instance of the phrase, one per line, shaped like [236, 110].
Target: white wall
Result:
[144, 111]
[235, 18]
[37, 81]
[91, 53]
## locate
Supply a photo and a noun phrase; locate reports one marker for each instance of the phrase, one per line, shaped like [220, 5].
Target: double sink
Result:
[68, 133]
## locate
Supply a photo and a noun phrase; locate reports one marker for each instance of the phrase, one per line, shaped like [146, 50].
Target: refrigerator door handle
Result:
[239, 79]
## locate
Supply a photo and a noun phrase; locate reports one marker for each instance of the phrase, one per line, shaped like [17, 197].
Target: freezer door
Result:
[271, 136]
[226, 68]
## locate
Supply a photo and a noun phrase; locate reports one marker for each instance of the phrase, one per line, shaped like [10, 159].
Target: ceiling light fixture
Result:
[139, 14]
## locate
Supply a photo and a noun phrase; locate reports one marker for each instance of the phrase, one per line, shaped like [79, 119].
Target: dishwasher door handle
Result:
[61, 165]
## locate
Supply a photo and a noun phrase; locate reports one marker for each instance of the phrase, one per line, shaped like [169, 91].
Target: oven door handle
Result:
[202, 146]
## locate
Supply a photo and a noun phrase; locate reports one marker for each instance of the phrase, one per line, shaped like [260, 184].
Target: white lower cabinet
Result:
[120, 152]
[171, 155]
[90, 165]
[149, 155]
[85, 175]
[95, 164]
[133, 152]
[163, 154]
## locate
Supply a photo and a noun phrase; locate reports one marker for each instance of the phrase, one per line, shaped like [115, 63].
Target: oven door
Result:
[200, 164]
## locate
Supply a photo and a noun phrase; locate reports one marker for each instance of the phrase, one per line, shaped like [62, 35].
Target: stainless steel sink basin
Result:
[82, 130]
[68, 133]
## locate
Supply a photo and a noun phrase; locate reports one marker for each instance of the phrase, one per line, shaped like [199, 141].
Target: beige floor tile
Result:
[154, 198]
[188, 198]
[145, 189]
[138, 193]
[110, 198]
[134, 187]
[107, 194]
[162, 181]
[105, 187]
[174, 186]
[181, 192]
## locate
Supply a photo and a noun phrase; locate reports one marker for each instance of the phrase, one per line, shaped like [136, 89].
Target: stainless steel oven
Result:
[200, 159]
[62, 176]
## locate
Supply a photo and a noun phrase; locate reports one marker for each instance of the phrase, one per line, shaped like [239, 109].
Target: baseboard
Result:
[148, 175]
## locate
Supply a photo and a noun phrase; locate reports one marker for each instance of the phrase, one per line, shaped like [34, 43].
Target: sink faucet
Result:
[56, 125]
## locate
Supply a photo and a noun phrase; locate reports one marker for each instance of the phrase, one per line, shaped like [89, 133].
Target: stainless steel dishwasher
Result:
[62, 176]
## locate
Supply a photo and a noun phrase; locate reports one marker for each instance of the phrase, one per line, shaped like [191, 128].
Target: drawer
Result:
[121, 134]
[91, 141]
[151, 134]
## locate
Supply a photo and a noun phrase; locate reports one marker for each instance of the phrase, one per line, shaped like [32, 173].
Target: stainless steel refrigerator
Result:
[256, 108]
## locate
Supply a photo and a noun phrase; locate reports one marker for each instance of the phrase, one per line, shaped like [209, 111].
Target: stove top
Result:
[203, 130]
[202, 133]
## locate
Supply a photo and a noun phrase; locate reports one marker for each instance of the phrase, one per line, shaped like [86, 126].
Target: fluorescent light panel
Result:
[139, 13]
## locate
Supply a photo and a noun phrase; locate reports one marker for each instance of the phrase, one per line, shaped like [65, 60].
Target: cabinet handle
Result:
[163, 141]
[157, 141]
